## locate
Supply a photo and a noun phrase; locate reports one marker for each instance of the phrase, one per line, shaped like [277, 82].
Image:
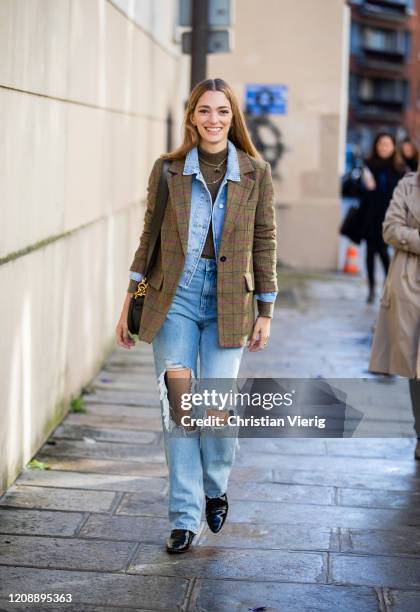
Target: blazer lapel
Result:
[237, 194]
[180, 187]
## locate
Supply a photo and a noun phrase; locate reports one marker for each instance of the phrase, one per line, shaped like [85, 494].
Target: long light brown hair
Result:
[238, 131]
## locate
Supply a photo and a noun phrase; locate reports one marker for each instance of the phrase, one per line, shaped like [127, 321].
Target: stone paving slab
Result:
[251, 474]
[104, 466]
[137, 505]
[375, 571]
[65, 553]
[384, 448]
[372, 480]
[129, 375]
[125, 436]
[380, 499]
[263, 536]
[136, 357]
[136, 365]
[125, 381]
[336, 464]
[39, 522]
[137, 360]
[108, 422]
[399, 541]
[149, 529]
[230, 595]
[100, 589]
[104, 450]
[206, 562]
[323, 516]
[127, 398]
[50, 498]
[118, 410]
[109, 482]
[402, 601]
[126, 363]
[290, 446]
[384, 428]
[281, 493]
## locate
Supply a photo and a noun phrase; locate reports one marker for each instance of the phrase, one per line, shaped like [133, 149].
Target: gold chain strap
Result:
[141, 288]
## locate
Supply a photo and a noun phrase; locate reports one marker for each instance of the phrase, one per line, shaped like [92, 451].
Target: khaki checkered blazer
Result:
[247, 253]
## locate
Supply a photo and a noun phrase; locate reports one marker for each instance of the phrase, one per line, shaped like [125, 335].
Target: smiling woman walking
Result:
[217, 246]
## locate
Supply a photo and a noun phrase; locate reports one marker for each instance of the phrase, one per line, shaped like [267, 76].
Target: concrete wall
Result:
[303, 45]
[85, 90]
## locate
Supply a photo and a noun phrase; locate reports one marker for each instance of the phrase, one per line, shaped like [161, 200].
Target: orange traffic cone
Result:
[350, 266]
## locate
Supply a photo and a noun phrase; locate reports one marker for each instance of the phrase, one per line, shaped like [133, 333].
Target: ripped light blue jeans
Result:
[198, 463]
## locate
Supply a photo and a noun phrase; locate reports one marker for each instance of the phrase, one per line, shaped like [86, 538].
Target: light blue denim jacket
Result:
[203, 213]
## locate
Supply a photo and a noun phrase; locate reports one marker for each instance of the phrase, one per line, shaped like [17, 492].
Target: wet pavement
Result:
[314, 524]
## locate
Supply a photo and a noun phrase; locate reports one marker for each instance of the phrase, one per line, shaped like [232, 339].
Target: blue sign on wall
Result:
[266, 99]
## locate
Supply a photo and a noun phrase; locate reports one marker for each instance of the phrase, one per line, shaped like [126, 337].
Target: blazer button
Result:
[223, 258]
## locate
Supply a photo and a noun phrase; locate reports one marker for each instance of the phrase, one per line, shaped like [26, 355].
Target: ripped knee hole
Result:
[177, 380]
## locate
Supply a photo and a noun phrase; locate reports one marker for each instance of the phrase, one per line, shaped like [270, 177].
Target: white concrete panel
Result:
[64, 165]
[34, 45]
[85, 195]
[107, 161]
[60, 324]
[114, 63]
[32, 160]
[100, 45]
[158, 17]
[87, 51]
[135, 92]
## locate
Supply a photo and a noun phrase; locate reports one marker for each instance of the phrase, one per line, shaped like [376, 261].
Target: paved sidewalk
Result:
[315, 524]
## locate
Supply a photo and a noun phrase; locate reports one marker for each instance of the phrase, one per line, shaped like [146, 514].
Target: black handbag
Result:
[135, 307]
[352, 225]
[351, 184]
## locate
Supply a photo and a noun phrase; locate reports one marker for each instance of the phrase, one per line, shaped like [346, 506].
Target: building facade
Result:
[306, 59]
[384, 88]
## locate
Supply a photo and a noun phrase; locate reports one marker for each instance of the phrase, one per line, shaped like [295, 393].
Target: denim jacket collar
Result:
[192, 165]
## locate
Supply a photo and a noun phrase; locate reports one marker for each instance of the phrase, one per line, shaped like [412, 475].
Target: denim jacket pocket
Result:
[249, 281]
[155, 279]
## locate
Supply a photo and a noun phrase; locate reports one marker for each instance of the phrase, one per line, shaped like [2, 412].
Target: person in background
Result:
[383, 169]
[409, 154]
[396, 341]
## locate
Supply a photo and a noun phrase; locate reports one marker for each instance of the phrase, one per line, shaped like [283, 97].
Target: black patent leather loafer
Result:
[216, 512]
[179, 541]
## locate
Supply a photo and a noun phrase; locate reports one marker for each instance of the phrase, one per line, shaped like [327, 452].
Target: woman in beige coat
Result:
[396, 342]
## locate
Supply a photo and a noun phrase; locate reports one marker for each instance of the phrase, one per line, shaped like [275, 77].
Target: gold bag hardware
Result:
[141, 288]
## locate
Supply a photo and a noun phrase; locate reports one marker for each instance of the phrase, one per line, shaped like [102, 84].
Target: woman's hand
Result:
[260, 334]
[121, 331]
